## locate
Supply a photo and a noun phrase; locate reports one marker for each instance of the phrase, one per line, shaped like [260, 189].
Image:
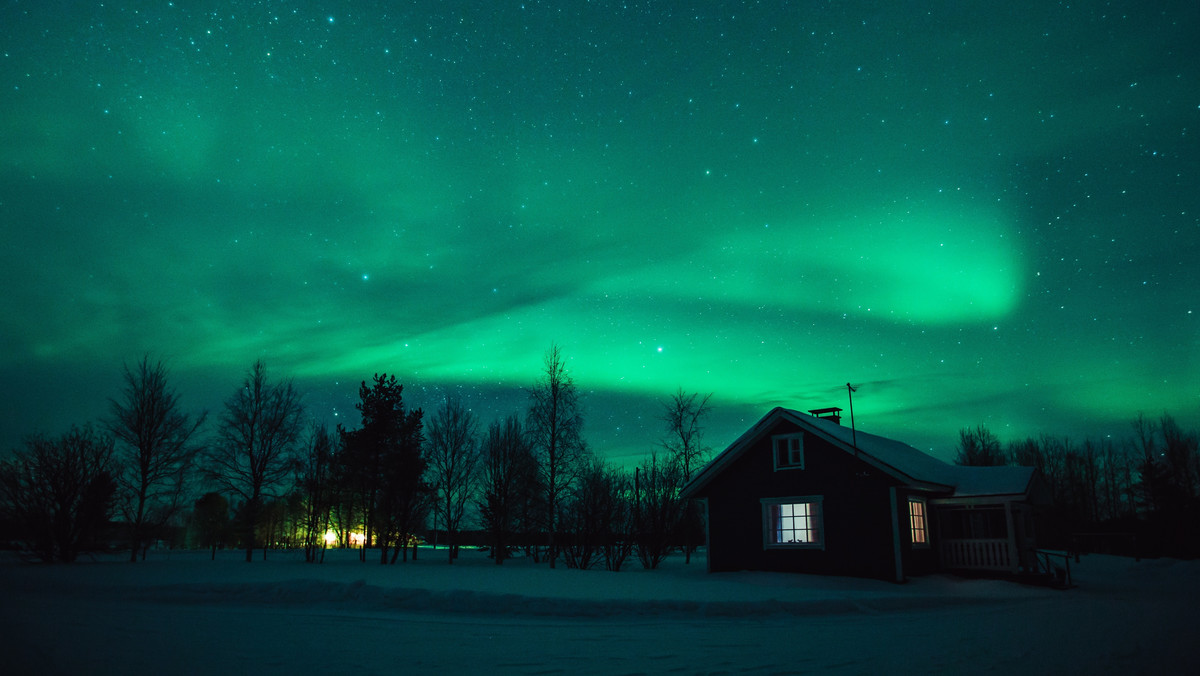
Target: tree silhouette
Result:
[315, 482]
[254, 453]
[684, 442]
[383, 460]
[210, 519]
[508, 482]
[58, 493]
[979, 447]
[657, 508]
[154, 454]
[555, 424]
[453, 462]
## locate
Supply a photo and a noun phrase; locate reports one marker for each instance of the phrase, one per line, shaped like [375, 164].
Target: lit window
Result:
[917, 522]
[788, 451]
[793, 522]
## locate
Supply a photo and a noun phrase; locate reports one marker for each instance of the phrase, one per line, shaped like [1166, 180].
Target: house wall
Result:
[856, 504]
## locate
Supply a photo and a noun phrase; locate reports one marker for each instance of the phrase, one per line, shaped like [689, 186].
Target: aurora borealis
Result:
[975, 213]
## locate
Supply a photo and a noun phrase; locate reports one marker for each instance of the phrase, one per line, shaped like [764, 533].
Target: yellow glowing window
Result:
[917, 521]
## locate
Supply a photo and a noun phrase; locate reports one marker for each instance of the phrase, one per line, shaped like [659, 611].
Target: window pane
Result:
[916, 520]
[794, 523]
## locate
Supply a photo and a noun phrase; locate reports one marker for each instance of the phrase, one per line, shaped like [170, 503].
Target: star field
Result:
[977, 215]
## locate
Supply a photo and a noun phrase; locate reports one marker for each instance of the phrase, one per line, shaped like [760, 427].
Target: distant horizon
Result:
[978, 215]
[616, 426]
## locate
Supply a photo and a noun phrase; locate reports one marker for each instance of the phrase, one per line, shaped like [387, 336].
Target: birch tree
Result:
[453, 457]
[508, 481]
[254, 454]
[555, 424]
[684, 441]
[155, 452]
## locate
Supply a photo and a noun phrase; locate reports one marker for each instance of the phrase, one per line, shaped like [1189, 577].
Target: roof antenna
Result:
[853, 433]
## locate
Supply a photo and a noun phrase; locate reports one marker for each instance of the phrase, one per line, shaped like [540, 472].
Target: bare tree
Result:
[315, 481]
[682, 416]
[453, 463]
[1150, 486]
[585, 516]
[657, 508]
[555, 424]
[619, 540]
[1181, 460]
[155, 451]
[507, 478]
[979, 447]
[599, 519]
[58, 493]
[254, 453]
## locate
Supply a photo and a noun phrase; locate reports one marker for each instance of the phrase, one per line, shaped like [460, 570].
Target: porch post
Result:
[896, 535]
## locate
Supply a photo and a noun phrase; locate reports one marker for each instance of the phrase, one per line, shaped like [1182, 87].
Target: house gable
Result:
[853, 495]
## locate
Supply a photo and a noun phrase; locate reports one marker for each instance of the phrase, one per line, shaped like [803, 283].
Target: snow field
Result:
[179, 612]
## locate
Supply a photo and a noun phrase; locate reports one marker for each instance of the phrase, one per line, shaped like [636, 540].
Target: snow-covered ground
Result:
[180, 613]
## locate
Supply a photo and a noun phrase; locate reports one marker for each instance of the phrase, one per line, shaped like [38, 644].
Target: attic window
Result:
[788, 450]
[793, 523]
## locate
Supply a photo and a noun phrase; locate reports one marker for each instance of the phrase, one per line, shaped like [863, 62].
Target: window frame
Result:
[912, 526]
[775, 441]
[817, 522]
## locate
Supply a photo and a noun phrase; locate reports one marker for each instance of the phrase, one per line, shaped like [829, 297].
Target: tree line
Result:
[526, 483]
[1136, 495]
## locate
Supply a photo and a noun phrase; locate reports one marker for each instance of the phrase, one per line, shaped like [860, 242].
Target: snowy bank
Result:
[1124, 616]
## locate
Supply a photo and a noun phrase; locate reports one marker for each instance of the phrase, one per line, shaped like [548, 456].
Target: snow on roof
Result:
[894, 457]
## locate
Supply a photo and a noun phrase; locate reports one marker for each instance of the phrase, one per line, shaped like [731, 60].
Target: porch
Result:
[991, 554]
[990, 538]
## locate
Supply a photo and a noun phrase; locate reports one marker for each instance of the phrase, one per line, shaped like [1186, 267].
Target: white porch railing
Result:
[977, 554]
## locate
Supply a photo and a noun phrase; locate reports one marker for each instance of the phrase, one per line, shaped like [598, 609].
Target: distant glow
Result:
[331, 538]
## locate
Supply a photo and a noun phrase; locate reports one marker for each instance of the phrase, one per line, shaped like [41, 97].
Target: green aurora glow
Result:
[978, 215]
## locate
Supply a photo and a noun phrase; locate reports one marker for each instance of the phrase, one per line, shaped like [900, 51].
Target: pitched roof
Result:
[895, 458]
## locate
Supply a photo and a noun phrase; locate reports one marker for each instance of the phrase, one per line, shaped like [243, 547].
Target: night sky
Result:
[977, 213]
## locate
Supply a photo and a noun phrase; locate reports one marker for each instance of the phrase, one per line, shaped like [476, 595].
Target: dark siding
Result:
[856, 504]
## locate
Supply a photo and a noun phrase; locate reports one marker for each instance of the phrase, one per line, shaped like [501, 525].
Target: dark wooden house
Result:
[803, 493]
